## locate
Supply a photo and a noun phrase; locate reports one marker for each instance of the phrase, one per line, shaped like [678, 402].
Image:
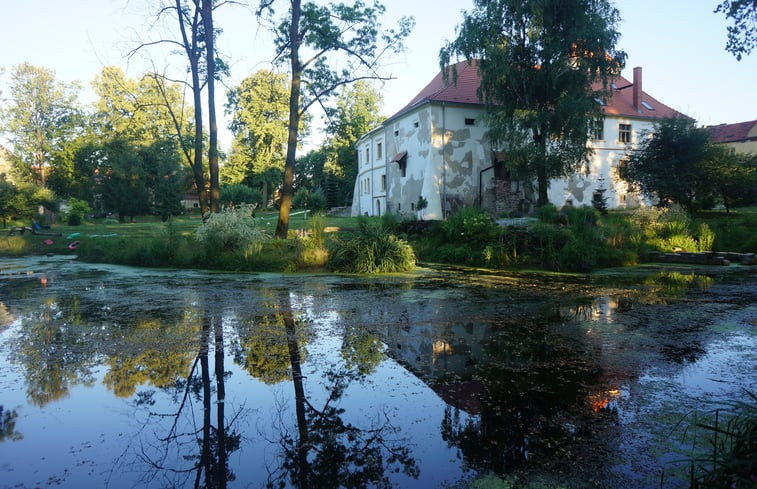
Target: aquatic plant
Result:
[371, 250]
[733, 460]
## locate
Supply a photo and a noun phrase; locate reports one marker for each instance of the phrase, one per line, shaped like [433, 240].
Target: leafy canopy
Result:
[540, 63]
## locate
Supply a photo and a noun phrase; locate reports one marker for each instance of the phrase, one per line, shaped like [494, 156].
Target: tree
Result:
[742, 35]
[356, 112]
[538, 61]
[668, 166]
[166, 179]
[733, 176]
[121, 180]
[43, 114]
[314, 40]
[259, 109]
[197, 42]
[141, 111]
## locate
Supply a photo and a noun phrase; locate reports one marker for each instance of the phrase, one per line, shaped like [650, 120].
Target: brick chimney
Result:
[637, 88]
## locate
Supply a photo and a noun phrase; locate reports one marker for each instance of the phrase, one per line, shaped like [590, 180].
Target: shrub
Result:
[239, 194]
[230, 230]
[471, 226]
[705, 237]
[547, 213]
[317, 200]
[371, 250]
[77, 210]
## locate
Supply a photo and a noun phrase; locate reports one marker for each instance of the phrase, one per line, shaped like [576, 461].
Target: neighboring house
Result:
[437, 147]
[191, 202]
[741, 136]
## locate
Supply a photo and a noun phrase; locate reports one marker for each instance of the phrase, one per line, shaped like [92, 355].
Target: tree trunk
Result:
[299, 393]
[287, 190]
[190, 46]
[207, 20]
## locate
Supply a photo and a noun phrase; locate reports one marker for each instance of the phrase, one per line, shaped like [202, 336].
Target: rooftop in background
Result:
[732, 133]
[464, 91]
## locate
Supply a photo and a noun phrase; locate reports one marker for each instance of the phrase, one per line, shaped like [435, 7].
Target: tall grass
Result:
[371, 249]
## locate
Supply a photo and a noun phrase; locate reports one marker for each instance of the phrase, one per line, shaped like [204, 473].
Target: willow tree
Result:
[540, 63]
[326, 47]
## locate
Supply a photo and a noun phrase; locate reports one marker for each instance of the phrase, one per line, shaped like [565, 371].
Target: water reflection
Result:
[219, 380]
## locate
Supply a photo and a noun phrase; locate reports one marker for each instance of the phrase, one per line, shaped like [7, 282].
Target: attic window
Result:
[599, 101]
[647, 106]
[614, 86]
[470, 121]
[396, 133]
[415, 124]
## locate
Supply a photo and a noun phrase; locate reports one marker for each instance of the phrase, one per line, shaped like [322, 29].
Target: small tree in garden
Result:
[598, 198]
[420, 205]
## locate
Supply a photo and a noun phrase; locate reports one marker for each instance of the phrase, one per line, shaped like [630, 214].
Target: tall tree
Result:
[259, 109]
[742, 35]
[197, 43]
[538, 60]
[356, 112]
[42, 115]
[326, 47]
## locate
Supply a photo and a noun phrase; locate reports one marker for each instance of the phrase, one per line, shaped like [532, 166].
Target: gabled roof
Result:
[468, 81]
[731, 133]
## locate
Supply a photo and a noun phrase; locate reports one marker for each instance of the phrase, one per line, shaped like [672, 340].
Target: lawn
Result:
[61, 235]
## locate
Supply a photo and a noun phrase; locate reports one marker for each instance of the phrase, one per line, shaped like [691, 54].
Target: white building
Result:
[437, 147]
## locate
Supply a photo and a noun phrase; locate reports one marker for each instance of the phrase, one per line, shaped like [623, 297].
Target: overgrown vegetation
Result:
[370, 249]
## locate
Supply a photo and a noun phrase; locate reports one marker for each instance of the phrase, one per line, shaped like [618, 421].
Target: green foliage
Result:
[230, 230]
[77, 211]
[42, 115]
[742, 35]
[371, 250]
[537, 61]
[259, 109]
[236, 194]
[678, 166]
[705, 237]
[317, 200]
[732, 437]
[547, 213]
[471, 226]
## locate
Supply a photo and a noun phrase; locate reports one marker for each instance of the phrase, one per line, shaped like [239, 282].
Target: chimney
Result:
[637, 88]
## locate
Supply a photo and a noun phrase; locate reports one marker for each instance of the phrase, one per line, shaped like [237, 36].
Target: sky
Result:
[680, 44]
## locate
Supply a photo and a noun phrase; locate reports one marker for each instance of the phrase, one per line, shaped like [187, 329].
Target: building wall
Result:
[578, 189]
[449, 162]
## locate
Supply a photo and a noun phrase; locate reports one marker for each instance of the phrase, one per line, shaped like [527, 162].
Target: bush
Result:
[317, 200]
[371, 250]
[77, 210]
[239, 194]
[230, 230]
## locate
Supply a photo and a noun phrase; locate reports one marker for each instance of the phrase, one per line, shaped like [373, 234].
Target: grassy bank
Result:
[569, 240]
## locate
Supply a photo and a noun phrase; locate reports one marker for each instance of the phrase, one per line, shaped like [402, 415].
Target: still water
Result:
[119, 377]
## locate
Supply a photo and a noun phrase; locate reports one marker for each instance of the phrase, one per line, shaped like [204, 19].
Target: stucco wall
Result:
[579, 188]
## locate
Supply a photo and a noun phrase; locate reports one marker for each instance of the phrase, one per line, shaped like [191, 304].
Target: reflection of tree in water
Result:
[326, 451]
[188, 454]
[55, 350]
[533, 396]
[8, 425]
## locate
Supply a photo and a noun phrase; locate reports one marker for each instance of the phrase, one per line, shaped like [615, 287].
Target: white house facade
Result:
[437, 148]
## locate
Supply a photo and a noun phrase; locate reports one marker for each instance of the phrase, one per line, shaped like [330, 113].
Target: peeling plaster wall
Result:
[578, 189]
[444, 158]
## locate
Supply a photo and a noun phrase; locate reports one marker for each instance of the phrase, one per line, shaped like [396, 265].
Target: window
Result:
[599, 132]
[378, 151]
[383, 183]
[415, 124]
[647, 106]
[470, 121]
[624, 133]
[622, 167]
[367, 155]
[396, 133]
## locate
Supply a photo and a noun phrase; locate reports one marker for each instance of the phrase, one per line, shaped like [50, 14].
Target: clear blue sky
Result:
[679, 44]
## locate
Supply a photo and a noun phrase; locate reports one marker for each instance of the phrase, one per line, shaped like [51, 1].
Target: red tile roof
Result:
[730, 133]
[465, 92]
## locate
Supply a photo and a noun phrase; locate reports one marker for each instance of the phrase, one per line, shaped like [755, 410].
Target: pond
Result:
[120, 377]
